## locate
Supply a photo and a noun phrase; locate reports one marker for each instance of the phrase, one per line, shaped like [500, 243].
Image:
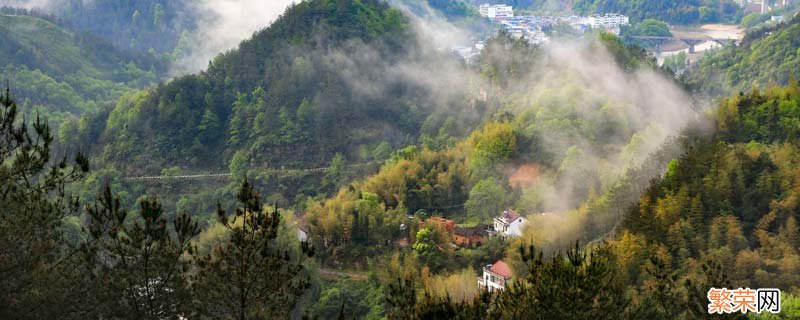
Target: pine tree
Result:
[138, 263]
[36, 281]
[248, 276]
[209, 126]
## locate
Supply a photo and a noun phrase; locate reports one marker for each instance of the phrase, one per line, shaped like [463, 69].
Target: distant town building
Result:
[468, 237]
[496, 11]
[495, 277]
[509, 224]
[607, 21]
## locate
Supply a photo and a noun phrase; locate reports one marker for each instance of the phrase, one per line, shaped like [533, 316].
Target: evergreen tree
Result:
[248, 276]
[138, 266]
[36, 281]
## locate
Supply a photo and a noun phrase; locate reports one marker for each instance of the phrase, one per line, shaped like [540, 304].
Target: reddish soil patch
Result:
[525, 176]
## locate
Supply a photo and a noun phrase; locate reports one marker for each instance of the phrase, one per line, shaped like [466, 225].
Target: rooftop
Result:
[478, 230]
[510, 215]
[501, 268]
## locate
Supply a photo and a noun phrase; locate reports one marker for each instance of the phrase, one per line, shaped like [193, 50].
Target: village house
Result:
[509, 224]
[468, 237]
[495, 277]
[301, 226]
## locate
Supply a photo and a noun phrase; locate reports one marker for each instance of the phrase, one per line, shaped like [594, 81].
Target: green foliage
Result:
[140, 25]
[766, 56]
[790, 309]
[65, 74]
[237, 279]
[486, 200]
[652, 27]
[728, 198]
[453, 8]
[677, 12]
[630, 58]
[575, 285]
[771, 117]
[425, 245]
[353, 299]
[138, 266]
[648, 27]
[337, 172]
[278, 96]
[505, 59]
[677, 62]
[37, 281]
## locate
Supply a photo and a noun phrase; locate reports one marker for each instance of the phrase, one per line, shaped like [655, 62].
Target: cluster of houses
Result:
[508, 224]
[533, 28]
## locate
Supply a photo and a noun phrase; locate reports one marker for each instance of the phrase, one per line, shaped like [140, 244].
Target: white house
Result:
[495, 277]
[496, 11]
[302, 235]
[509, 224]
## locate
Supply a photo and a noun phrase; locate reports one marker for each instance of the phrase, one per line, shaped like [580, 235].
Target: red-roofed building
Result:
[495, 276]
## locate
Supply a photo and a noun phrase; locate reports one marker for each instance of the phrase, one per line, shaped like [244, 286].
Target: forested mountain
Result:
[767, 55]
[58, 71]
[449, 8]
[675, 12]
[724, 214]
[313, 84]
[556, 142]
[137, 25]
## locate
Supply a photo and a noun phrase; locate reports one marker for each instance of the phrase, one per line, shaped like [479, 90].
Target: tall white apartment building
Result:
[608, 21]
[496, 11]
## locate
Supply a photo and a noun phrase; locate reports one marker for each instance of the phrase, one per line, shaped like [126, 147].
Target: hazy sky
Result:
[227, 23]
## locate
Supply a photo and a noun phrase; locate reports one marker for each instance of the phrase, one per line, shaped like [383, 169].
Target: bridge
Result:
[691, 41]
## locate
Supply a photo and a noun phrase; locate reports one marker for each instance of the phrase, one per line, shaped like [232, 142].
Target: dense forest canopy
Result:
[767, 55]
[140, 25]
[282, 97]
[63, 73]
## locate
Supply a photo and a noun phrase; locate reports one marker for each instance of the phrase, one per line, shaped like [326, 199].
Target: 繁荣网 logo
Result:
[744, 300]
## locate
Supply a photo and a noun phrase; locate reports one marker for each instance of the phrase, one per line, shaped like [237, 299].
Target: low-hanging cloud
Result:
[573, 86]
[28, 4]
[223, 24]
